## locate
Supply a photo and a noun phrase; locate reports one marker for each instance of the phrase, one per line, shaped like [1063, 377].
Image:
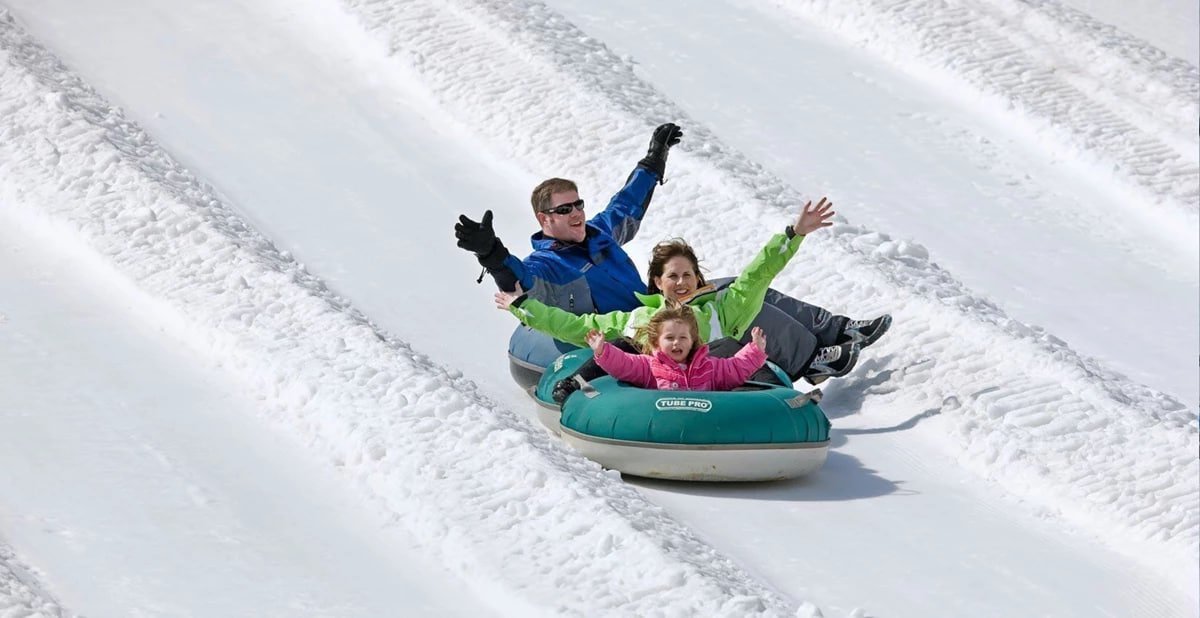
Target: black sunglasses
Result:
[565, 209]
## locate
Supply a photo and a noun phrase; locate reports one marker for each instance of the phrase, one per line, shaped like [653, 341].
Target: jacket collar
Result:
[658, 300]
[594, 242]
[650, 300]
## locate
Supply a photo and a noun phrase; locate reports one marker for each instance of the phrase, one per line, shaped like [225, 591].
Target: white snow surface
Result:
[536, 527]
[158, 451]
[1049, 441]
[1039, 237]
[21, 594]
[1084, 90]
[1170, 26]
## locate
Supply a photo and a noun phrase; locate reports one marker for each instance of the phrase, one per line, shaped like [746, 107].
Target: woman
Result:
[674, 275]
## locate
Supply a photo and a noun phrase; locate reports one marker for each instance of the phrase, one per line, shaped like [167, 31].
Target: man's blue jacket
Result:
[596, 275]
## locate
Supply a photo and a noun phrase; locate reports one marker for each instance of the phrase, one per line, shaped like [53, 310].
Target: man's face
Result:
[568, 227]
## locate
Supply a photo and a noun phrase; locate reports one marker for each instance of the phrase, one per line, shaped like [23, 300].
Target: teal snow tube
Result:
[756, 433]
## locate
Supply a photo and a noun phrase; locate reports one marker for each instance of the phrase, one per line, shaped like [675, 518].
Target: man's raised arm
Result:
[623, 216]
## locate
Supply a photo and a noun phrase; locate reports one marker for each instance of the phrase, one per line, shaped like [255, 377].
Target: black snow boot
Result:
[563, 389]
[832, 362]
[865, 332]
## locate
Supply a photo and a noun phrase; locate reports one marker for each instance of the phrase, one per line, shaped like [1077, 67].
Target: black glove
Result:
[664, 137]
[480, 239]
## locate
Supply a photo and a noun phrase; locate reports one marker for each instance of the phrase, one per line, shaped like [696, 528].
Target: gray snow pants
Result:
[794, 329]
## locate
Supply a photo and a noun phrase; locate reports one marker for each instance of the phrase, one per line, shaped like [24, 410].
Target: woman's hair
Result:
[662, 253]
[649, 332]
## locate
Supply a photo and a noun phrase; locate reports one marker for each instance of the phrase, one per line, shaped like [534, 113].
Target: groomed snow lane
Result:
[141, 482]
[525, 523]
[616, 136]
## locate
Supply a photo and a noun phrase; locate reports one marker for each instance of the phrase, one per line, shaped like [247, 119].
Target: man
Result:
[579, 265]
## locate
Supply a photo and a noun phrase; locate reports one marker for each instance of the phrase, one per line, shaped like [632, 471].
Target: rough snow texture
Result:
[20, 594]
[1082, 89]
[534, 526]
[521, 517]
[1025, 410]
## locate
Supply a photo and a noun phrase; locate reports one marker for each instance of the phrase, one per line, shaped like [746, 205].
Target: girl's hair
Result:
[663, 252]
[649, 332]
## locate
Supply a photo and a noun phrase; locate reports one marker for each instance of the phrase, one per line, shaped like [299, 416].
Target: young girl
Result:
[674, 357]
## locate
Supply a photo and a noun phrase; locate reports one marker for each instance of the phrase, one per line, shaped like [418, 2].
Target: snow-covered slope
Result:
[1014, 391]
[1086, 91]
[20, 592]
[139, 481]
[525, 522]
[1166, 25]
[1034, 233]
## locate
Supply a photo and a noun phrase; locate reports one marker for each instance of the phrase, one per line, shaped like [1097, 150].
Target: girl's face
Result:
[678, 279]
[675, 340]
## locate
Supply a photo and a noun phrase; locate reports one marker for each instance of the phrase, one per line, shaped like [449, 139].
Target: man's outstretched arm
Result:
[537, 277]
[479, 238]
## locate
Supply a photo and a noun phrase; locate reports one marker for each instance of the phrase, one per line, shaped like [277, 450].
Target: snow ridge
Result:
[1023, 409]
[524, 519]
[1098, 94]
[20, 594]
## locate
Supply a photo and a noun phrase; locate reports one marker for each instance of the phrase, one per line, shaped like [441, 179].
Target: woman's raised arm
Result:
[739, 304]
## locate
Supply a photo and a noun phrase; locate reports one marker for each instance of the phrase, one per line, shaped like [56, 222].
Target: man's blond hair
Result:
[540, 200]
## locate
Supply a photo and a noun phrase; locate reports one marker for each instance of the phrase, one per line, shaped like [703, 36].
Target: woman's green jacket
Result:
[727, 312]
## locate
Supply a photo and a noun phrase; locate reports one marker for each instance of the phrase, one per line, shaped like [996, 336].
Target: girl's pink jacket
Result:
[704, 373]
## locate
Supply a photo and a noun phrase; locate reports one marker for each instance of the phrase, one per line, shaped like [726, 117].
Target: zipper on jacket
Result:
[571, 301]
